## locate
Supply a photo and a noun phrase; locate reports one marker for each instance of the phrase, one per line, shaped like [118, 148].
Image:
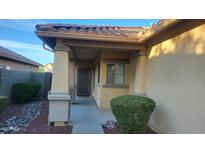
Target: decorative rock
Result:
[16, 129]
[4, 129]
[29, 112]
[110, 124]
[11, 128]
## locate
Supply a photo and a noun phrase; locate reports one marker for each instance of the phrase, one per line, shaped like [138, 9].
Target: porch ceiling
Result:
[85, 53]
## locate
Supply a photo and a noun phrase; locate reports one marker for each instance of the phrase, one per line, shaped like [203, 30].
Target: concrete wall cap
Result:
[58, 96]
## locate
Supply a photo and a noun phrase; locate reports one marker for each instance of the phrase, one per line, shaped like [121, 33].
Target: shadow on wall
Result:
[162, 114]
[191, 42]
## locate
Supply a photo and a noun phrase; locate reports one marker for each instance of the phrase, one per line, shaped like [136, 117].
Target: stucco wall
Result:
[61, 72]
[13, 65]
[96, 90]
[137, 74]
[71, 73]
[132, 72]
[176, 78]
[108, 93]
[48, 68]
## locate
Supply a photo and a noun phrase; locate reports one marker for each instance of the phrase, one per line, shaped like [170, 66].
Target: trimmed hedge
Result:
[2, 102]
[132, 112]
[24, 92]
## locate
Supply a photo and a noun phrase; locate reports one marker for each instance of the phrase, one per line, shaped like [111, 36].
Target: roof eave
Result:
[90, 37]
[158, 29]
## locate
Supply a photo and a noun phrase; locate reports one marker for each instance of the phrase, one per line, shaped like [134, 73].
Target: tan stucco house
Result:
[48, 68]
[12, 61]
[164, 62]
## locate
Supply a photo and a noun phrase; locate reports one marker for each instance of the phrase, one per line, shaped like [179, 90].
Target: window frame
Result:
[115, 75]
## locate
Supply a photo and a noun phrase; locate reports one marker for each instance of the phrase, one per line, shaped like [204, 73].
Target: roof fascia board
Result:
[84, 37]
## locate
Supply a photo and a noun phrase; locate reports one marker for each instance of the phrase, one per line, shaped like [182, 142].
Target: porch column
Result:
[59, 98]
[141, 73]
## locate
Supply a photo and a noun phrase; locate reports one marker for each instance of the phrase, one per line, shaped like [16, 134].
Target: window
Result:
[115, 74]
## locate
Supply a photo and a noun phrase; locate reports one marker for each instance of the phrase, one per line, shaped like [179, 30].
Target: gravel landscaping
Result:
[31, 118]
[15, 123]
[110, 127]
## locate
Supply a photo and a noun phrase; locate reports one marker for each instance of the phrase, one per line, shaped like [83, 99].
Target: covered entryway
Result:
[83, 83]
[81, 58]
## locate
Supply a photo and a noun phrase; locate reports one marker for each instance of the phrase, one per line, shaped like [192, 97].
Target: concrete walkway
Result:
[86, 118]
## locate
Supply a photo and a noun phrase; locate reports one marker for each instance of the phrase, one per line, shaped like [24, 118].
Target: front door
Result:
[84, 78]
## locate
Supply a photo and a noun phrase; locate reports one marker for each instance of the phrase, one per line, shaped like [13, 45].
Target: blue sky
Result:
[18, 35]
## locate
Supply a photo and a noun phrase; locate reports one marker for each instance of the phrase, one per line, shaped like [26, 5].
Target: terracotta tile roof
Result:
[5, 53]
[49, 32]
[115, 31]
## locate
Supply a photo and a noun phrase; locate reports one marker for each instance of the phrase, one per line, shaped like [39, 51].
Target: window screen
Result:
[115, 74]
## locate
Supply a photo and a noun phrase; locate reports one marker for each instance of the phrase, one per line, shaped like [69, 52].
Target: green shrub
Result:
[24, 92]
[2, 102]
[132, 112]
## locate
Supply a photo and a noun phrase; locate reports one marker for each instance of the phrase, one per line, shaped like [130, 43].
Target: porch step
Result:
[87, 129]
